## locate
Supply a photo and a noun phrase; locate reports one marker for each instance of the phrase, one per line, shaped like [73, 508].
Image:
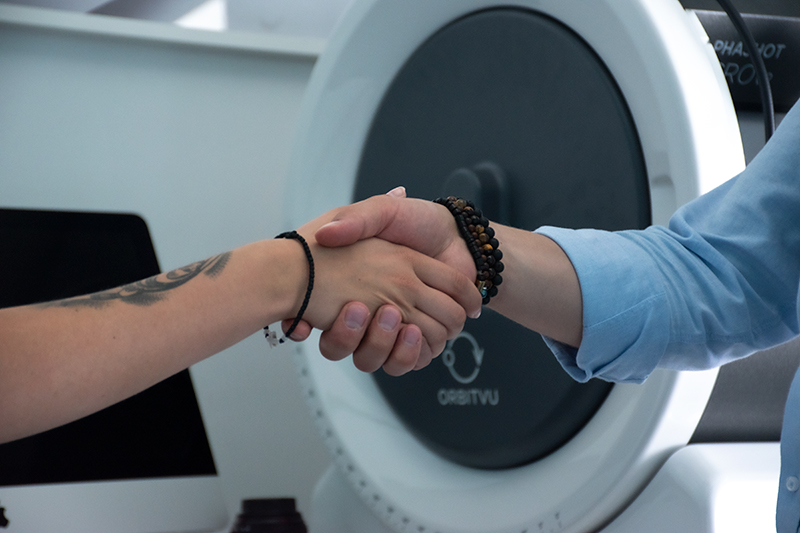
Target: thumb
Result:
[361, 220]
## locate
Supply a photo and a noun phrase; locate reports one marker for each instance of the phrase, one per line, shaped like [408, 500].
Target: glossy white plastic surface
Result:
[708, 488]
[582, 485]
[671, 80]
[713, 488]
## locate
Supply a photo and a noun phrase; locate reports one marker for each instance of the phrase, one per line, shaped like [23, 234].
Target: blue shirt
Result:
[721, 282]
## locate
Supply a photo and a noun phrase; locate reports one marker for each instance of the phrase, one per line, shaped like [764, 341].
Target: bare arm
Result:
[540, 288]
[63, 360]
[66, 359]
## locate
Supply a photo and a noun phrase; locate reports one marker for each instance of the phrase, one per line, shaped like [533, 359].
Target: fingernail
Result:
[476, 314]
[389, 319]
[411, 336]
[398, 192]
[356, 317]
[333, 223]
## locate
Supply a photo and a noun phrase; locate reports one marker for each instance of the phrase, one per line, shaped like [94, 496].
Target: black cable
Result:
[762, 76]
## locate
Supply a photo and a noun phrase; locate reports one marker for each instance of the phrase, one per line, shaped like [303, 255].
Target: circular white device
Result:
[687, 131]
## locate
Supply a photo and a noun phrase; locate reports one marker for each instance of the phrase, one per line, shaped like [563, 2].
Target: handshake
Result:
[394, 280]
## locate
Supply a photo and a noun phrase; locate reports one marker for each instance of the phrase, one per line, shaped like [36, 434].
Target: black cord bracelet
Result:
[481, 243]
[270, 335]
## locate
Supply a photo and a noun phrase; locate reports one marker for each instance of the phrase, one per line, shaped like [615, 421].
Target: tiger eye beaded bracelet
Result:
[481, 243]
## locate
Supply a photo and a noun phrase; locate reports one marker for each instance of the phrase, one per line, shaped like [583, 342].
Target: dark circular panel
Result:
[512, 109]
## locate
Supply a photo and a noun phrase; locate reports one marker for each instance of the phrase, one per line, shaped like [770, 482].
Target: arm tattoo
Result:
[151, 290]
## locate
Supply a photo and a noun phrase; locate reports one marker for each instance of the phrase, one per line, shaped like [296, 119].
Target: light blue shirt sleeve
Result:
[721, 282]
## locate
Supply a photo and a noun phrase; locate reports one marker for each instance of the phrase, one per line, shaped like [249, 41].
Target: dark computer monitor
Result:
[142, 465]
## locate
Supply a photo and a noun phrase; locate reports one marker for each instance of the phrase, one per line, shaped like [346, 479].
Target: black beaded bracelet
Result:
[481, 243]
[270, 335]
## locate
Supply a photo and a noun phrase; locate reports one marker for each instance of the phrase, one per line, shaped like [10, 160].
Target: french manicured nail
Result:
[389, 319]
[399, 192]
[356, 317]
[331, 224]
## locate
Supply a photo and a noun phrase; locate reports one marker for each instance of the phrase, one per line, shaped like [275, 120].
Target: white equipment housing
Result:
[661, 60]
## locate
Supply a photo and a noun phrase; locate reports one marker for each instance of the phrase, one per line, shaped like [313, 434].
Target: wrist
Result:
[293, 235]
[281, 280]
[481, 243]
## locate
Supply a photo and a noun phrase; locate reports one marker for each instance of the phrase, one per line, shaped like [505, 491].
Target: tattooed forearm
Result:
[150, 290]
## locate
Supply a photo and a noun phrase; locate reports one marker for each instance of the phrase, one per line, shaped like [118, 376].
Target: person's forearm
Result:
[65, 359]
[540, 288]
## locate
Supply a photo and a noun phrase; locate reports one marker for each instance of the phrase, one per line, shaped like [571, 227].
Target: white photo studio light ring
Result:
[605, 114]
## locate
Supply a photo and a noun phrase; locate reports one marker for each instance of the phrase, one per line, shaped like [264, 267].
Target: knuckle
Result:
[459, 318]
[437, 342]
[460, 282]
[366, 363]
[404, 359]
[454, 322]
[332, 348]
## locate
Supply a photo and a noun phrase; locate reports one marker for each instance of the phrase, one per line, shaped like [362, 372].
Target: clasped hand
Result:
[398, 278]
